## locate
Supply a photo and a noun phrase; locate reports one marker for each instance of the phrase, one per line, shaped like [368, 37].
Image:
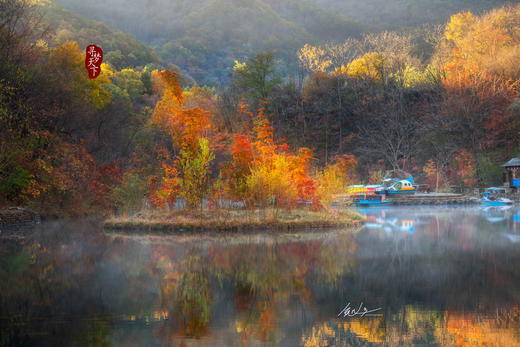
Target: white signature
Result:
[361, 311]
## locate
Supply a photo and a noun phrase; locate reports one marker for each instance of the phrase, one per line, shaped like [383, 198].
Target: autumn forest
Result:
[174, 122]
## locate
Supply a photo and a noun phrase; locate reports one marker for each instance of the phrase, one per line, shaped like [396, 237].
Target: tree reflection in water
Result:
[441, 276]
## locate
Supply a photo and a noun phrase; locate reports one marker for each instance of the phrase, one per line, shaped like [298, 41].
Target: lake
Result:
[428, 275]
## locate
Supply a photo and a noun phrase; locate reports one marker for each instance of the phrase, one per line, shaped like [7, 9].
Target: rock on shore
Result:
[18, 215]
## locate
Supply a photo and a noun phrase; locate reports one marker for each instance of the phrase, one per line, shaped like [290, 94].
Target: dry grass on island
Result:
[234, 220]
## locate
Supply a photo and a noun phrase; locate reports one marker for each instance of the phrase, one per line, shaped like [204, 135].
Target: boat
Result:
[365, 196]
[372, 202]
[494, 196]
[376, 195]
[396, 186]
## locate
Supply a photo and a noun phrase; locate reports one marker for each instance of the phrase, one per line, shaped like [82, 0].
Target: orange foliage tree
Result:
[277, 176]
[239, 168]
[465, 168]
[105, 178]
[185, 125]
[188, 127]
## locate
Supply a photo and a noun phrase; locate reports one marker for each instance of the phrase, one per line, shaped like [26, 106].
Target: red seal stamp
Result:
[93, 60]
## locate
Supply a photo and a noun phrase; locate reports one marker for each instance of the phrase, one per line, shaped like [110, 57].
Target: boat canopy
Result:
[388, 180]
[515, 162]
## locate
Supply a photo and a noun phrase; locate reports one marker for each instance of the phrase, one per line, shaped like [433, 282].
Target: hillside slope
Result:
[395, 14]
[120, 49]
[204, 37]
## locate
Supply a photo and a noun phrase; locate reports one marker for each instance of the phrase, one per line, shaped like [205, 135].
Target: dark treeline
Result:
[450, 119]
[62, 133]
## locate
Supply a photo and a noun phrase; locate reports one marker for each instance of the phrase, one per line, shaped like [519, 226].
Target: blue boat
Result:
[366, 202]
[370, 199]
[494, 196]
[365, 196]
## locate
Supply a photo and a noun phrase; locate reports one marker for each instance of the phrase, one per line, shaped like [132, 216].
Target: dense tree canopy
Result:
[142, 134]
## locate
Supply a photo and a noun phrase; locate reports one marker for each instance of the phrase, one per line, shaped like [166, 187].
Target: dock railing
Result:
[422, 188]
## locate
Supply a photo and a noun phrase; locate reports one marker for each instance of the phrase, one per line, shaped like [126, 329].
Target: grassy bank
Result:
[234, 220]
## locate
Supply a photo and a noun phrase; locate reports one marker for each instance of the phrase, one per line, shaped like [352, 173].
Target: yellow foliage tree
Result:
[66, 65]
[271, 181]
[314, 58]
[485, 45]
[195, 171]
[370, 65]
[335, 177]
[458, 26]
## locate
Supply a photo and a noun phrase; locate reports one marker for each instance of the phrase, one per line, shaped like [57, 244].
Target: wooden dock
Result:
[432, 199]
[420, 199]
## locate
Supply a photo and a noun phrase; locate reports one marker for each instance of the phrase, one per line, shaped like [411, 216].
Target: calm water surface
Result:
[439, 276]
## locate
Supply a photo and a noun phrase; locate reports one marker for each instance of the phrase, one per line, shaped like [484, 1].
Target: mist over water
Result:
[438, 275]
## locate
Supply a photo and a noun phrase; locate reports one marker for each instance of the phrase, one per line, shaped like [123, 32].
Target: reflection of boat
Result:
[378, 219]
[488, 209]
[420, 220]
[392, 225]
[512, 237]
[399, 225]
[494, 197]
[496, 214]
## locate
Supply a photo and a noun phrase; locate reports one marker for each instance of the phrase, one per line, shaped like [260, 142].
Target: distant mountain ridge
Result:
[204, 37]
[395, 14]
[152, 20]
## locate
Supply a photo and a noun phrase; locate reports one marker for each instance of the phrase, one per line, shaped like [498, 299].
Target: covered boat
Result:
[494, 196]
[396, 186]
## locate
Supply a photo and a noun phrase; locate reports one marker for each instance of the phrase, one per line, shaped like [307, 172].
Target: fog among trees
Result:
[204, 37]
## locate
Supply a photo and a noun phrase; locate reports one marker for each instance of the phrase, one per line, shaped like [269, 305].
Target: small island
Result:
[234, 221]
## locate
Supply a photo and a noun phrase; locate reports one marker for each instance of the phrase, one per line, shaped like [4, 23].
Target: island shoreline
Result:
[233, 222]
